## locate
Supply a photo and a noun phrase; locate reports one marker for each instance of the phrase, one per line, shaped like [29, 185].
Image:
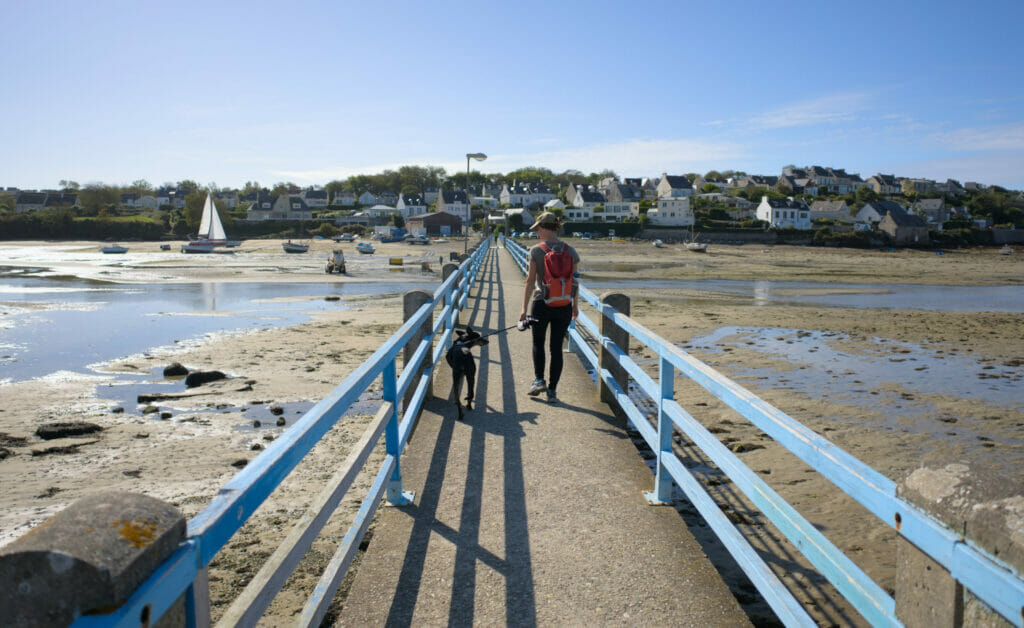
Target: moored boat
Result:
[294, 247]
[1006, 250]
[658, 244]
[697, 247]
[365, 248]
[211, 231]
[114, 248]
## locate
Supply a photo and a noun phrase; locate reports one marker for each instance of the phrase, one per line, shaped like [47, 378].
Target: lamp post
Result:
[469, 212]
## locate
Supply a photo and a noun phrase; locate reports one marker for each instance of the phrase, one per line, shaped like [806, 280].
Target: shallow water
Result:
[824, 366]
[854, 295]
[49, 324]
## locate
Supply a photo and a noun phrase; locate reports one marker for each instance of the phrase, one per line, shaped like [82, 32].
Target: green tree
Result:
[68, 186]
[713, 174]
[281, 187]
[95, 196]
[865, 195]
[398, 220]
[710, 187]
[187, 185]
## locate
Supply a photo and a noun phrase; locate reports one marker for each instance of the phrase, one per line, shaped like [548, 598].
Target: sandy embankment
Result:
[186, 458]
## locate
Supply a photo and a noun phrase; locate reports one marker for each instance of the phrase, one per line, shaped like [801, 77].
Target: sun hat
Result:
[548, 221]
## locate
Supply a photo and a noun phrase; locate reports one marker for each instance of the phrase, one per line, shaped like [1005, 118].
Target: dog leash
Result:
[526, 325]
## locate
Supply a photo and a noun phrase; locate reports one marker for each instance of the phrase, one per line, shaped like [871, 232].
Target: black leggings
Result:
[559, 318]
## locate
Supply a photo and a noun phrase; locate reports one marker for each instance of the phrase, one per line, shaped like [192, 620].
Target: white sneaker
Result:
[537, 388]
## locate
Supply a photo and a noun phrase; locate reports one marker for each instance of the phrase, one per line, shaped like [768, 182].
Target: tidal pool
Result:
[854, 295]
[50, 324]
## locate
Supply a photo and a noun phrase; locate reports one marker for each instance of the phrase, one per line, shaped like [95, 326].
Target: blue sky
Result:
[227, 92]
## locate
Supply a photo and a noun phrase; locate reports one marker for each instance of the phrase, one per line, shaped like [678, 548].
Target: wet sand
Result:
[187, 457]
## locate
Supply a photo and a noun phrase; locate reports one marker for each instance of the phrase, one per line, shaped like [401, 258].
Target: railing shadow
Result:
[487, 314]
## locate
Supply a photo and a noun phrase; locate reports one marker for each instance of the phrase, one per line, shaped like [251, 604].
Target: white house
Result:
[671, 212]
[345, 199]
[579, 214]
[486, 202]
[380, 211]
[522, 212]
[554, 204]
[283, 207]
[784, 212]
[411, 205]
[617, 211]
[316, 199]
[367, 198]
[454, 203]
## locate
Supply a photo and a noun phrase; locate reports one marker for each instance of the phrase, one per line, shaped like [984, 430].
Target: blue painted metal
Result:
[210, 530]
[984, 575]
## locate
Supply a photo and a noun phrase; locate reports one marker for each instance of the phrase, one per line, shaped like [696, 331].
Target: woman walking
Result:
[550, 299]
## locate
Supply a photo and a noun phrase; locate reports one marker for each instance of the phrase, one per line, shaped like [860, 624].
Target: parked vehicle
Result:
[365, 248]
[344, 237]
[420, 239]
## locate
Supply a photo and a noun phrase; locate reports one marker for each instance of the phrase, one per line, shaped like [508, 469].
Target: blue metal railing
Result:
[208, 532]
[982, 574]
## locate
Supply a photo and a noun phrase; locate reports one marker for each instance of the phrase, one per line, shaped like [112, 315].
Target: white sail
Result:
[204, 224]
[210, 227]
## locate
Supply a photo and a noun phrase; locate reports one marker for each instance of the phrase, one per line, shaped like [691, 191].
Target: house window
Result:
[266, 205]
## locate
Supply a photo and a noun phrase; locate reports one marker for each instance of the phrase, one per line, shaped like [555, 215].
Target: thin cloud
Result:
[825, 110]
[997, 137]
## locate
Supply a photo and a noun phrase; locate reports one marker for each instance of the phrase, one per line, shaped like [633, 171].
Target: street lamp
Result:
[469, 212]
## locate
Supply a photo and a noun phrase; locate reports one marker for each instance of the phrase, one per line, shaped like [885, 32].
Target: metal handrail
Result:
[209, 531]
[984, 575]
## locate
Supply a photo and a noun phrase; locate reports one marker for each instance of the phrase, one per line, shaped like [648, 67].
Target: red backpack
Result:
[557, 275]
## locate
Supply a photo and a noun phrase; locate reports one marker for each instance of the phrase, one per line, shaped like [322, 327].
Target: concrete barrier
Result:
[88, 558]
[412, 301]
[621, 339]
[980, 506]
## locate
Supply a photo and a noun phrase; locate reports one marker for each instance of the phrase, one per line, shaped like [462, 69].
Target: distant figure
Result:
[551, 297]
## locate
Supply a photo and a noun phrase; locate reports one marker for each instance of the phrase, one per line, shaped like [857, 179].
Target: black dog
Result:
[460, 358]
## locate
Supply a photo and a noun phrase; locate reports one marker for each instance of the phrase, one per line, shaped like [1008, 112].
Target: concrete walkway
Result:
[528, 513]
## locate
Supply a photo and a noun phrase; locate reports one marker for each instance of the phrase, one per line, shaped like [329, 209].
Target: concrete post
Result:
[412, 301]
[618, 336]
[90, 556]
[977, 501]
[446, 272]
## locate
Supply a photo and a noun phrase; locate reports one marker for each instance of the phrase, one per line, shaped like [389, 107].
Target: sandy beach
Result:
[185, 457]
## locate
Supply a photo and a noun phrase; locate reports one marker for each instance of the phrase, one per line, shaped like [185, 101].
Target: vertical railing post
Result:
[412, 301]
[197, 601]
[620, 337]
[662, 493]
[446, 271]
[392, 446]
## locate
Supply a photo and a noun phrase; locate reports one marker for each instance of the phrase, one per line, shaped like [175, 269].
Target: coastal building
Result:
[434, 223]
[671, 212]
[872, 213]
[933, 211]
[281, 207]
[673, 186]
[904, 227]
[344, 198]
[411, 205]
[831, 210]
[367, 199]
[784, 213]
[315, 199]
[884, 184]
[454, 203]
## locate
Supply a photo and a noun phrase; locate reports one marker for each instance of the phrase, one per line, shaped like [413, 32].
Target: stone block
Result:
[90, 557]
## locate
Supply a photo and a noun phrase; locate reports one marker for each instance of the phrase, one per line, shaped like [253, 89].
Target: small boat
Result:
[294, 247]
[115, 248]
[658, 244]
[697, 247]
[211, 231]
[365, 248]
[197, 247]
[165, 247]
[1006, 250]
[390, 239]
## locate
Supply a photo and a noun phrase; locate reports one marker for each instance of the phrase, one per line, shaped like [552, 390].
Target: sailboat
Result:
[211, 232]
[693, 245]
